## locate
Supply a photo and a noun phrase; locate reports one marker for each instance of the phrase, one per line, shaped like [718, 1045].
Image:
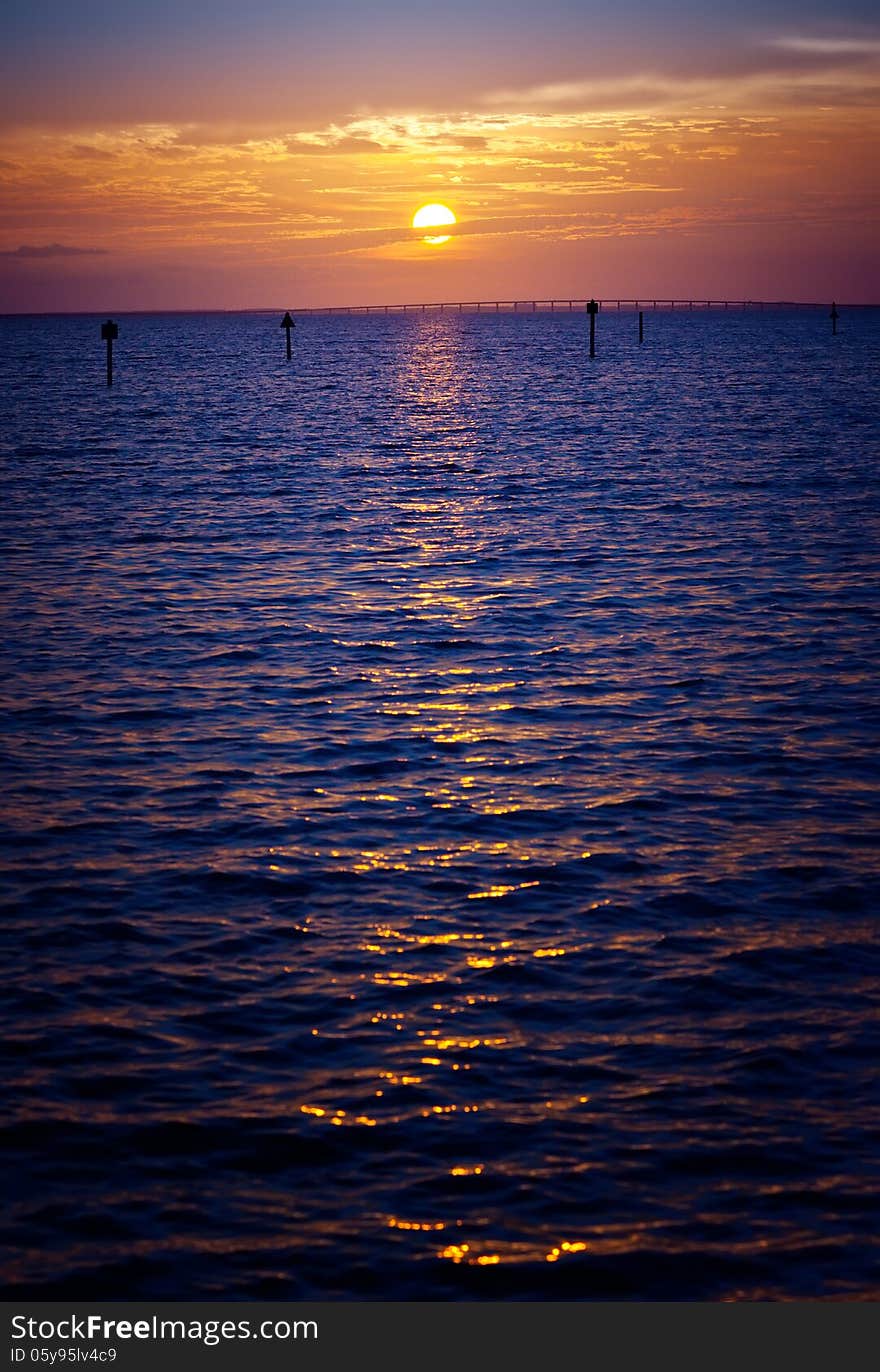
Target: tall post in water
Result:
[109, 331]
[592, 311]
[641, 326]
[288, 324]
[834, 317]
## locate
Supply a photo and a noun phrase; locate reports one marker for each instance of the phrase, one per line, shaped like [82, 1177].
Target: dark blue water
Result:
[440, 807]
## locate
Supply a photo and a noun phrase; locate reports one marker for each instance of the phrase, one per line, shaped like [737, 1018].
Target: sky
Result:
[211, 155]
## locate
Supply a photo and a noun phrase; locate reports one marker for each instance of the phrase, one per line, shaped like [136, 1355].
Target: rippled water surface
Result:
[440, 807]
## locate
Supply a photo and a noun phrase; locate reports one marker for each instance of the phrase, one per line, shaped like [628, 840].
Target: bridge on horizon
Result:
[563, 304]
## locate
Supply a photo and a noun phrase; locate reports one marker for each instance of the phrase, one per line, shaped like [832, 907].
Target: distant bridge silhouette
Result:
[531, 305]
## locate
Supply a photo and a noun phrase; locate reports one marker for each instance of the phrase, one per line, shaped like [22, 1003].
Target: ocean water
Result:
[440, 807]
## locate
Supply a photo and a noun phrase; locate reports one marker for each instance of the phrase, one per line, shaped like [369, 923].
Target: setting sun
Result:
[432, 217]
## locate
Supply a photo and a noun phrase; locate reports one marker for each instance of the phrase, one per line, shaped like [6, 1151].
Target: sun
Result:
[432, 217]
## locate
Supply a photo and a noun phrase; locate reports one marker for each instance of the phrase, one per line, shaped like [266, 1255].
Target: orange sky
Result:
[758, 180]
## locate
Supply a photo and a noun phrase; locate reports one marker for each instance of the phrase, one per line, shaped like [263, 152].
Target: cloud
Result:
[333, 141]
[453, 140]
[784, 70]
[749, 90]
[91, 152]
[827, 47]
[52, 250]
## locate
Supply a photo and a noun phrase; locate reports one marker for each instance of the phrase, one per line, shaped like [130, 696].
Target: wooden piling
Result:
[109, 331]
[288, 324]
[592, 311]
